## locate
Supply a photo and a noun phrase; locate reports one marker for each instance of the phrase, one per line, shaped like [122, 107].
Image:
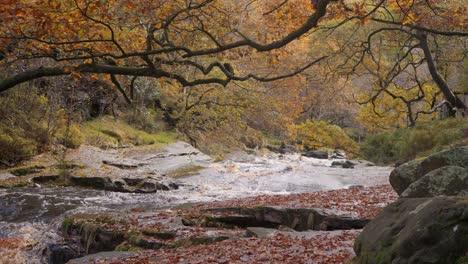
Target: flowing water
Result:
[34, 214]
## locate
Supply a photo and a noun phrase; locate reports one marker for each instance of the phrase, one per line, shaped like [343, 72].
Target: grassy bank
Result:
[109, 132]
[424, 139]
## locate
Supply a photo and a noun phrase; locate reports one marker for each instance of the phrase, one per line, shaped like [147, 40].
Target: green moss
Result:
[108, 132]
[23, 171]
[125, 246]
[88, 233]
[67, 224]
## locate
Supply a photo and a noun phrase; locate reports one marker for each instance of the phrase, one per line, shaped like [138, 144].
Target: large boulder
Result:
[416, 230]
[406, 174]
[448, 180]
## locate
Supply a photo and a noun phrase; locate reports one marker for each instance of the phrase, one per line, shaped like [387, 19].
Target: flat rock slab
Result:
[299, 219]
[101, 256]
[261, 232]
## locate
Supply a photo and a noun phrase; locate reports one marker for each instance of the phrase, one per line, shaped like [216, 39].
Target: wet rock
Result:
[149, 186]
[338, 154]
[120, 165]
[119, 185]
[101, 183]
[173, 186]
[416, 230]
[448, 180]
[406, 174]
[286, 149]
[283, 149]
[260, 232]
[61, 253]
[93, 236]
[346, 164]
[45, 179]
[317, 154]
[137, 185]
[133, 181]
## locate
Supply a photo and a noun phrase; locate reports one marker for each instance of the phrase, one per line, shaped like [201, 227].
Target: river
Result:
[34, 214]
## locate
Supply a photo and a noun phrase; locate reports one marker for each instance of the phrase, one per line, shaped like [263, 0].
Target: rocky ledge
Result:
[143, 169]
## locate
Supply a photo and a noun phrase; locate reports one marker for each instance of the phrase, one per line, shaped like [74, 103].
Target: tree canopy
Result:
[216, 42]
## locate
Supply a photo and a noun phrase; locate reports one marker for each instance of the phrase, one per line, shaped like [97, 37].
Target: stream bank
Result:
[34, 214]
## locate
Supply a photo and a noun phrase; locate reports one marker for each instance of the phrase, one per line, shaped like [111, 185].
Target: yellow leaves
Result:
[388, 113]
[314, 134]
[94, 77]
[409, 18]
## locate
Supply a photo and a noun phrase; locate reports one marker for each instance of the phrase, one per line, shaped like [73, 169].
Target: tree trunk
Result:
[443, 86]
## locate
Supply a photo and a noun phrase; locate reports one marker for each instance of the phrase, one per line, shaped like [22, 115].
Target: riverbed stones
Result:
[416, 230]
[46, 179]
[100, 183]
[317, 154]
[406, 174]
[345, 164]
[448, 180]
[61, 253]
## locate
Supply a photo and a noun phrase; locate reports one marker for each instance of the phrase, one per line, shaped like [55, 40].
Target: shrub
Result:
[28, 125]
[402, 145]
[314, 134]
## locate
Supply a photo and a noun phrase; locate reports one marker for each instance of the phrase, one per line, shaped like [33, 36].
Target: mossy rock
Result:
[23, 171]
[410, 172]
[142, 241]
[93, 236]
[126, 246]
[448, 180]
[416, 230]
